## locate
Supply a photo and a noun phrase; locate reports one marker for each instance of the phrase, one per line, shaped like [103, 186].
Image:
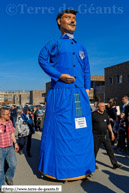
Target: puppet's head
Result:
[66, 21]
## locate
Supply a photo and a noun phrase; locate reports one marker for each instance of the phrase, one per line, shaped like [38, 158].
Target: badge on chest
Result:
[81, 54]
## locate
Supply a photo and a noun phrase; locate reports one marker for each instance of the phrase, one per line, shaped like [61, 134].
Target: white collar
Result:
[71, 36]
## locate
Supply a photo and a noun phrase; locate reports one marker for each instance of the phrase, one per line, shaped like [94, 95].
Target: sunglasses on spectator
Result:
[4, 128]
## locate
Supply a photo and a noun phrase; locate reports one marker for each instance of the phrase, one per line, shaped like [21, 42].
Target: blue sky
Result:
[26, 26]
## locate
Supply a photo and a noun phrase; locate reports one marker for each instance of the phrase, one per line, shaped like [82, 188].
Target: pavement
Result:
[104, 180]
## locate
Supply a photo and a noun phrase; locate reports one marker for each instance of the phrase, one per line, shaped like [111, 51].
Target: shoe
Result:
[96, 167]
[20, 152]
[8, 181]
[117, 166]
[29, 155]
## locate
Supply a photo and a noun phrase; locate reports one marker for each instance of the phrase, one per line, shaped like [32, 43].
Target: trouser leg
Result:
[12, 162]
[97, 143]
[2, 160]
[22, 142]
[14, 121]
[5, 166]
[28, 143]
[108, 147]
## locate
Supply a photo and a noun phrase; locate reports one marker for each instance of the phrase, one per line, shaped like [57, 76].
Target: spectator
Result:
[95, 107]
[128, 132]
[125, 101]
[7, 138]
[39, 118]
[23, 132]
[125, 111]
[116, 130]
[122, 132]
[40, 111]
[28, 120]
[101, 125]
[35, 117]
[111, 110]
[13, 114]
[127, 124]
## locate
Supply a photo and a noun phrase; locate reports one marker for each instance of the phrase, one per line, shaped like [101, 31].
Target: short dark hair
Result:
[112, 102]
[3, 109]
[65, 11]
[25, 109]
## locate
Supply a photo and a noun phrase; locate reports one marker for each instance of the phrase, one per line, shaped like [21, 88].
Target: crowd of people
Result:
[26, 122]
[36, 113]
[119, 124]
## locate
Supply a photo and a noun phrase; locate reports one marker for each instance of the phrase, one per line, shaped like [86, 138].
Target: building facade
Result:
[1, 97]
[117, 82]
[98, 86]
[34, 97]
[37, 97]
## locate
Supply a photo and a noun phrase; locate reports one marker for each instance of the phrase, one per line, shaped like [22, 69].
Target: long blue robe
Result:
[67, 150]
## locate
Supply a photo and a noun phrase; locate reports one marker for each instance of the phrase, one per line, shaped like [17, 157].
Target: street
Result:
[104, 180]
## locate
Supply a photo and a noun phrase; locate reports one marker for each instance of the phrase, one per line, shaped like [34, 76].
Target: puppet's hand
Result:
[67, 78]
[87, 90]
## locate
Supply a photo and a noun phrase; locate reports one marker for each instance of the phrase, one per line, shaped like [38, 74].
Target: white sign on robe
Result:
[80, 123]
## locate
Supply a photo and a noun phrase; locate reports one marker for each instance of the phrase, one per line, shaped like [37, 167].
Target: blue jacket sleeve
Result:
[44, 61]
[87, 79]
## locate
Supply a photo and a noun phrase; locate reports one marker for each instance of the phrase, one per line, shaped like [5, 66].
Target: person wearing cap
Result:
[67, 150]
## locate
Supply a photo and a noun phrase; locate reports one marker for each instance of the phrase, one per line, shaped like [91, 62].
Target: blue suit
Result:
[67, 149]
[66, 57]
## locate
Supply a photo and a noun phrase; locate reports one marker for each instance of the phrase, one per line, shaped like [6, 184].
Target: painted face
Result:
[67, 23]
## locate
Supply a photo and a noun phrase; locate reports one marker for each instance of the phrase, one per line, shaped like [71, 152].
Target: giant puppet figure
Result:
[67, 150]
